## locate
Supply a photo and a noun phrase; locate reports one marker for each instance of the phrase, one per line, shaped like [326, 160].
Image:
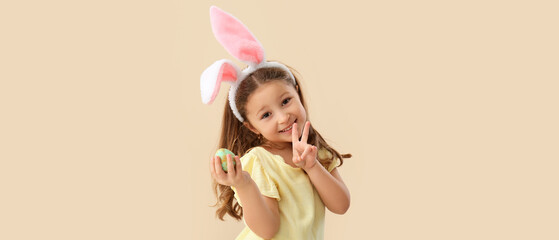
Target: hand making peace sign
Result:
[304, 154]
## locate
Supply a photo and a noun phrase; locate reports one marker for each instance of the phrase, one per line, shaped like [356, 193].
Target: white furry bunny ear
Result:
[235, 37]
[210, 81]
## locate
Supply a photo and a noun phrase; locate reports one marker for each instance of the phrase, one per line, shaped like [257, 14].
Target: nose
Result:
[283, 117]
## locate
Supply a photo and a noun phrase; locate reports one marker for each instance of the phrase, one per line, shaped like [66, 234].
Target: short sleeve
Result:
[335, 163]
[323, 153]
[257, 168]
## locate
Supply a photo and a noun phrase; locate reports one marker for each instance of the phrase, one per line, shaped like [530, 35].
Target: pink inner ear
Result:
[235, 37]
[227, 73]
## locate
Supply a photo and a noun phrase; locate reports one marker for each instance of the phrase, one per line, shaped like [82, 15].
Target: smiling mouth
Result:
[288, 128]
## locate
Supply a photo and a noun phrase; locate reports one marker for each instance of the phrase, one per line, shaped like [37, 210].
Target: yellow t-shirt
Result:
[300, 207]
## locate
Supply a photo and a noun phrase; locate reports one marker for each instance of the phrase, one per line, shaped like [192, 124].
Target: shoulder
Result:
[256, 154]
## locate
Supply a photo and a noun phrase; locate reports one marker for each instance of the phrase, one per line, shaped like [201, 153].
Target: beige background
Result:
[450, 111]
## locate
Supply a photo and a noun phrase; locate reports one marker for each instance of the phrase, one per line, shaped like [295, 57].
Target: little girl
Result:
[287, 173]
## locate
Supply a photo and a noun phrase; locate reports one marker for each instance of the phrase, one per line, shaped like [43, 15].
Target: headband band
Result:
[235, 37]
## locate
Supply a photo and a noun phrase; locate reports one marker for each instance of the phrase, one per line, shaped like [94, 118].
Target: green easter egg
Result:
[222, 154]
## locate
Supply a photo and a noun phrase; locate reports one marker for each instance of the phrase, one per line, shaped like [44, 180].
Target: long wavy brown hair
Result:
[239, 139]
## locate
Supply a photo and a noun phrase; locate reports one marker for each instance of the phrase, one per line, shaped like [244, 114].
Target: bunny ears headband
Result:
[235, 37]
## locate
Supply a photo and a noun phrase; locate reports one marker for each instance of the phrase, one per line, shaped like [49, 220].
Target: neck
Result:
[276, 146]
[283, 149]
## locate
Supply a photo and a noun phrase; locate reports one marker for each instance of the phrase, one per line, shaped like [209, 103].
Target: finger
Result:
[314, 151]
[297, 161]
[230, 167]
[238, 167]
[306, 132]
[308, 149]
[218, 170]
[294, 133]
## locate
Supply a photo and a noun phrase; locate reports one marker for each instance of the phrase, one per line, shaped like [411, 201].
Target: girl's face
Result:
[272, 109]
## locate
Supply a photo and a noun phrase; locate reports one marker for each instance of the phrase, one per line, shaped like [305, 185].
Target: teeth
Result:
[287, 129]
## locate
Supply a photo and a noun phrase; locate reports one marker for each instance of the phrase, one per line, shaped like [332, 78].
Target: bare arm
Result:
[261, 213]
[329, 185]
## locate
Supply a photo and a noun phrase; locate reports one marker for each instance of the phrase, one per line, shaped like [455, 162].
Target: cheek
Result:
[263, 128]
[303, 112]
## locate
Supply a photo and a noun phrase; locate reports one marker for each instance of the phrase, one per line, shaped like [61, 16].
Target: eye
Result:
[286, 101]
[265, 115]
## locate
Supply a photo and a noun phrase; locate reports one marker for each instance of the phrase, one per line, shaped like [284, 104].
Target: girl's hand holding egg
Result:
[222, 154]
[231, 172]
